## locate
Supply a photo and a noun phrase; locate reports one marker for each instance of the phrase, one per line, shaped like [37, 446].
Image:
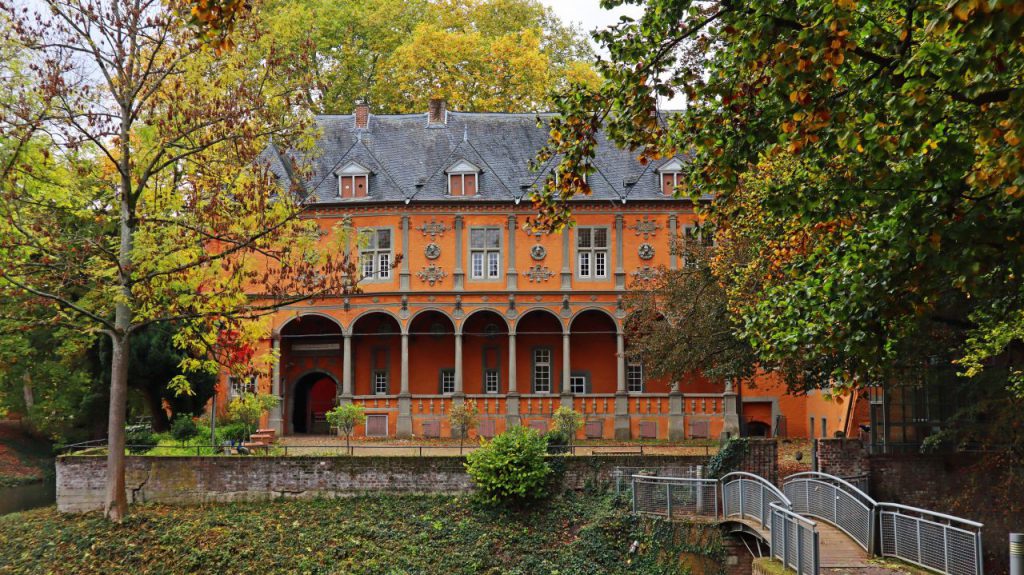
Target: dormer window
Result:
[671, 176]
[462, 179]
[353, 180]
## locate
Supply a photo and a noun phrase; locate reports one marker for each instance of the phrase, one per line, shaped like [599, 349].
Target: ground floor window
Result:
[239, 385]
[634, 377]
[542, 370]
[447, 381]
[491, 380]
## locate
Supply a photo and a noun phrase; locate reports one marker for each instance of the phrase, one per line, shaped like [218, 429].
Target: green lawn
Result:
[571, 535]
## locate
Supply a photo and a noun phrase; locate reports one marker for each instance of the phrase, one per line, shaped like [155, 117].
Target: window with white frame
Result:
[353, 181]
[239, 385]
[542, 370]
[491, 382]
[380, 382]
[447, 381]
[671, 176]
[578, 383]
[634, 376]
[485, 253]
[375, 253]
[462, 179]
[592, 253]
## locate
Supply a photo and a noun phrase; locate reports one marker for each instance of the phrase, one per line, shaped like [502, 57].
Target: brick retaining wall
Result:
[193, 480]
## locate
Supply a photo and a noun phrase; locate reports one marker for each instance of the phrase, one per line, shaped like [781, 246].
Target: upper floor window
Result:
[578, 383]
[353, 181]
[239, 385]
[375, 253]
[492, 380]
[447, 381]
[671, 176]
[484, 253]
[462, 179]
[592, 253]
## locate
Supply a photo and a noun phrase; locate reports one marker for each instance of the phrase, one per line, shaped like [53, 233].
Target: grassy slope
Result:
[574, 534]
[23, 458]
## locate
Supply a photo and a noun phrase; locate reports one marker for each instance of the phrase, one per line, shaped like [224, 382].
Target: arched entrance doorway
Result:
[313, 396]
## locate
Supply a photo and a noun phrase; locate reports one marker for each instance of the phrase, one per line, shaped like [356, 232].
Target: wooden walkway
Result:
[836, 550]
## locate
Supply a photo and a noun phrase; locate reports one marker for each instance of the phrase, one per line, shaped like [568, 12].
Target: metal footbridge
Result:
[816, 521]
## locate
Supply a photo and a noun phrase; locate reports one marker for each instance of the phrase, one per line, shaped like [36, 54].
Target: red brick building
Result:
[479, 309]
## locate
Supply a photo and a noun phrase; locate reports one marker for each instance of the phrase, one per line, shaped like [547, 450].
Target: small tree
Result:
[248, 408]
[346, 417]
[567, 421]
[511, 468]
[463, 418]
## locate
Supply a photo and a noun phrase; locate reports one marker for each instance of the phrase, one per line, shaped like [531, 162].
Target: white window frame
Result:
[374, 261]
[634, 376]
[672, 168]
[492, 381]
[447, 381]
[542, 370]
[380, 381]
[236, 389]
[460, 170]
[578, 383]
[351, 171]
[485, 261]
[591, 260]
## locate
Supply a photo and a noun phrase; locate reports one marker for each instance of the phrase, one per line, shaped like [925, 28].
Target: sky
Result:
[588, 13]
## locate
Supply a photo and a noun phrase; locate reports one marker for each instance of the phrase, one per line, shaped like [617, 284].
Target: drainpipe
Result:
[1016, 553]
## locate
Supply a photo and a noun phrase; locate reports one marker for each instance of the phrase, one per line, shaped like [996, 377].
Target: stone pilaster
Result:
[566, 261]
[620, 272]
[458, 276]
[673, 257]
[511, 276]
[276, 421]
[405, 276]
[676, 420]
[730, 411]
[404, 424]
[566, 370]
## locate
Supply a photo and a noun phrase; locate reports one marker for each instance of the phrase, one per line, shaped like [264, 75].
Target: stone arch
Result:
[432, 346]
[594, 336]
[595, 309]
[485, 353]
[376, 353]
[291, 322]
[429, 310]
[371, 312]
[313, 393]
[484, 311]
[535, 312]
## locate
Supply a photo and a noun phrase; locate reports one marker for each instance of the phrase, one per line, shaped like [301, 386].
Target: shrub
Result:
[248, 408]
[511, 468]
[184, 427]
[728, 459]
[558, 441]
[463, 418]
[140, 438]
[567, 421]
[234, 432]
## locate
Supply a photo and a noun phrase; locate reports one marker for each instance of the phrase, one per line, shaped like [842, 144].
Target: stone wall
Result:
[842, 457]
[194, 480]
[762, 459]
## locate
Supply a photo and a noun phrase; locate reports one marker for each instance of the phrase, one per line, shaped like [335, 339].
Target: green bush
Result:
[140, 438]
[511, 468]
[233, 432]
[184, 427]
[558, 441]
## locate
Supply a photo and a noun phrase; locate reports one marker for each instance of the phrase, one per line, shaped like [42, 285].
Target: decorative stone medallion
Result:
[538, 252]
[432, 274]
[433, 229]
[538, 273]
[432, 251]
[645, 251]
[645, 227]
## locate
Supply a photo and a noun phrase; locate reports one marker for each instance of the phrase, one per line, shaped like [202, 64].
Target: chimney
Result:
[437, 112]
[362, 114]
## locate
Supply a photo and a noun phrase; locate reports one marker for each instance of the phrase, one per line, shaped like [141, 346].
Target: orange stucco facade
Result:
[520, 327]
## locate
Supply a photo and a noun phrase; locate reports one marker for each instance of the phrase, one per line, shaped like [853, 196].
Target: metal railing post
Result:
[740, 481]
[634, 495]
[817, 550]
[785, 542]
[799, 547]
[1016, 553]
[668, 500]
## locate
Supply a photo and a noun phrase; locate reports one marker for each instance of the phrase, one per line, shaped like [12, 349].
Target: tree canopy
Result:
[864, 156]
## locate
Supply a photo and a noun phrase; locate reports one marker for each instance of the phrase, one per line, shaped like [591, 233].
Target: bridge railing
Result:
[937, 541]
[747, 495]
[836, 501]
[674, 496]
[794, 540]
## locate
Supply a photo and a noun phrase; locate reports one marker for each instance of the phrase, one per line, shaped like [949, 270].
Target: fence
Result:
[835, 500]
[934, 540]
[670, 497]
[794, 540]
[748, 495]
[624, 475]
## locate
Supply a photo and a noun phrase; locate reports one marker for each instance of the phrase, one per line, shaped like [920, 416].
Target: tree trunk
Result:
[155, 402]
[28, 394]
[116, 504]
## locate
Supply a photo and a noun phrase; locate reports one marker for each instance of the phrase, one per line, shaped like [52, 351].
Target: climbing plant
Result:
[728, 458]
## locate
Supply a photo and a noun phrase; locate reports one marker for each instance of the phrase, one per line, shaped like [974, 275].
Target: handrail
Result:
[764, 482]
[935, 514]
[797, 516]
[817, 474]
[675, 479]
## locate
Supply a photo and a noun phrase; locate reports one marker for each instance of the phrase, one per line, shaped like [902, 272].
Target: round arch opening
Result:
[314, 394]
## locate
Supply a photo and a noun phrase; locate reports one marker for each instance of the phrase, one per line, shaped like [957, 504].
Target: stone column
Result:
[459, 393]
[622, 430]
[457, 274]
[404, 425]
[566, 370]
[346, 369]
[566, 261]
[620, 273]
[405, 276]
[511, 277]
[512, 399]
[731, 425]
[673, 261]
[276, 421]
[676, 420]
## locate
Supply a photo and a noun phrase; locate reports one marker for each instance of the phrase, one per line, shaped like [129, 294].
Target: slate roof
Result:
[408, 159]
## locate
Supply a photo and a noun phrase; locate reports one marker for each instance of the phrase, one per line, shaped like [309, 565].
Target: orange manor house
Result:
[478, 309]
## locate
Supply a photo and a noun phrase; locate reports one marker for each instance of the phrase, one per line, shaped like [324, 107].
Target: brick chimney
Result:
[437, 112]
[362, 114]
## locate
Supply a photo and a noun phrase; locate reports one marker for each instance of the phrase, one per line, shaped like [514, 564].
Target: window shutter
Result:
[469, 184]
[346, 186]
[359, 186]
[668, 183]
